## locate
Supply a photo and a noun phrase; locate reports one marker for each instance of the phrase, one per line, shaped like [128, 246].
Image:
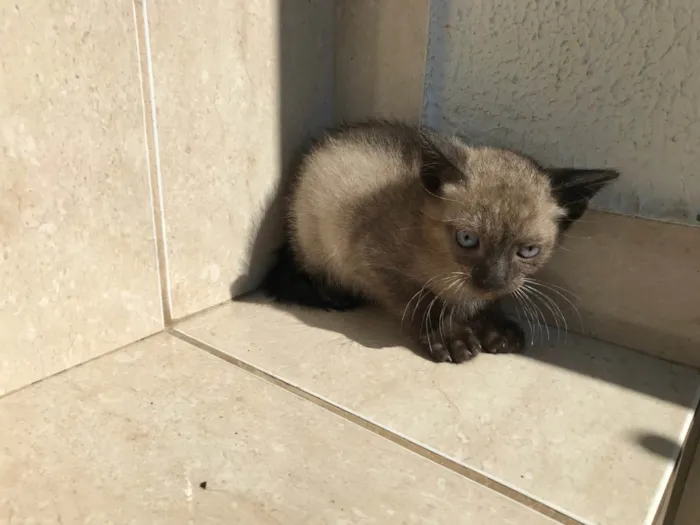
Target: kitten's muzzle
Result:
[491, 279]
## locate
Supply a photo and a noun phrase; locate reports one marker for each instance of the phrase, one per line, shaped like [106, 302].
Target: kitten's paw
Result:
[500, 335]
[457, 347]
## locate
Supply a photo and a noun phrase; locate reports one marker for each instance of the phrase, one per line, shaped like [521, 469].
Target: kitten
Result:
[431, 229]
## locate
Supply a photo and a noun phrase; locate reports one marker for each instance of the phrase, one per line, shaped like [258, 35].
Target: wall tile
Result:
[633, 282]
[380, 51]
[78, 275]
[237, 85]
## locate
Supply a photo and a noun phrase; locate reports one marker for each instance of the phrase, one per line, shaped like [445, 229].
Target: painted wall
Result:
[597, 83]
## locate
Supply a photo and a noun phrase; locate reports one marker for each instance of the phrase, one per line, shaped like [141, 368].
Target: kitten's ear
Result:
[436, 169]
[573, 188]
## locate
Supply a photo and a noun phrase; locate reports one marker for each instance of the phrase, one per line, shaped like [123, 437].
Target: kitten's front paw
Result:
[458, 346]
[500, 335]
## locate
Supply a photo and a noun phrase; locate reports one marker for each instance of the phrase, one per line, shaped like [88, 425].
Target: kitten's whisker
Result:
[519, 303]
[537, 296]
[552, 286]
[430, 308]
[419, 296]
[427, 332]
[554, 305]
[405, 310]
[582, 221]
[517, 312]
[441, 327]
[423, 293]
[553, 308]
[518, 296]
[454, 308]
[554, 290]
[429, 324]
[439, 196]
[529, 315]
[538, 313]
[578, 237]
[427, 321]
[440, 318]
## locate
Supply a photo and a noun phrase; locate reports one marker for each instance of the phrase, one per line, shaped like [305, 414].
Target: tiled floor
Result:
[131, 437]
[324, 418]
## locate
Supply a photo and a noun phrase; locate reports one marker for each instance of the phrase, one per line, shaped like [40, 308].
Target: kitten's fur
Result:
[374, 215]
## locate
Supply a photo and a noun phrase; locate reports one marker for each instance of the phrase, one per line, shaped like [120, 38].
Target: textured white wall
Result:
[591, 83]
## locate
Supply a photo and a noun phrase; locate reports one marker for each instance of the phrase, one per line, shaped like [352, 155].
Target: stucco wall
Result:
[597, 83]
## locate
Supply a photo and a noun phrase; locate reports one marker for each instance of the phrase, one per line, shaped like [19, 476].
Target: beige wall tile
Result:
[635, 282]
[237, 84]
[380, 50]
[77, 268]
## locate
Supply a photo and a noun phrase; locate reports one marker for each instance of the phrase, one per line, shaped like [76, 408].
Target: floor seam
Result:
[380, 431]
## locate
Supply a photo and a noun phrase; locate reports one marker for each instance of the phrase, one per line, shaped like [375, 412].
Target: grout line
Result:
[155, 177]
[401, 441]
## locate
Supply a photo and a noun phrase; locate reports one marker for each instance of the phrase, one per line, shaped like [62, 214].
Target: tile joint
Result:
[155, 179]
[458, 468]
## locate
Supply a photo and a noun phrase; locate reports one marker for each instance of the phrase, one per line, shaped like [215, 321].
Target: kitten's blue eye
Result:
[467, 239]
[529, 251]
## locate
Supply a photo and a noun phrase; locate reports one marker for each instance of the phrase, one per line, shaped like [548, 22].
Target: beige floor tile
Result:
[77, 258]
[129, 438]
[574, 425]
[689, 510]
[237, 86]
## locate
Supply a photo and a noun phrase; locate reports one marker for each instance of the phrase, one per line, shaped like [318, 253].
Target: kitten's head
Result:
[493, 217]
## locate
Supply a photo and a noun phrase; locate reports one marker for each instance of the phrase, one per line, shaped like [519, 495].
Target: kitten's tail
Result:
[288, 282]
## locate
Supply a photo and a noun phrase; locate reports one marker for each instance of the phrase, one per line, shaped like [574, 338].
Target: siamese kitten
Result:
[427, 227]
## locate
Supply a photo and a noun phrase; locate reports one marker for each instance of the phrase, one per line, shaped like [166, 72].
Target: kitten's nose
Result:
[490, 278]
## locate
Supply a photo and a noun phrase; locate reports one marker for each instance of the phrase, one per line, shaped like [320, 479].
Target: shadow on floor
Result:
[658, 445]
[372, 328]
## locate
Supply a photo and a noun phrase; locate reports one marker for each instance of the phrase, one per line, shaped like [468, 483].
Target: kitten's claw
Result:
[500, 335]
[458, 347]
[494, 334]
[461, 351]
[439, 353]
